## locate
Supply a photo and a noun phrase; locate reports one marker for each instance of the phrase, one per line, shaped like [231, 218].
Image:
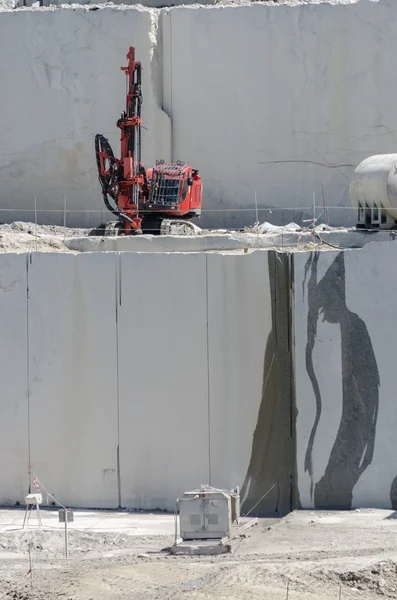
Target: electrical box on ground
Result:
[208, 513]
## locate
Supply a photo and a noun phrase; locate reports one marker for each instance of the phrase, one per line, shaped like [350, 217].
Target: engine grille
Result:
[165, 187]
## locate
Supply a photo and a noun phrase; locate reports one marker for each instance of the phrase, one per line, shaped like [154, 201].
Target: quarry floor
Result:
[121, 555]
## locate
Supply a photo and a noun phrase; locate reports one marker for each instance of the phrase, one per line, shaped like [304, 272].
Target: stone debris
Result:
[380, 578]
[27, 237]
[45, 4]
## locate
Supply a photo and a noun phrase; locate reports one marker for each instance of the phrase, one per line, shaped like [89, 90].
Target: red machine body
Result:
[142, 198]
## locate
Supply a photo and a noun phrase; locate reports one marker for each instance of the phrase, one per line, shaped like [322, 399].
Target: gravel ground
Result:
[319, 556]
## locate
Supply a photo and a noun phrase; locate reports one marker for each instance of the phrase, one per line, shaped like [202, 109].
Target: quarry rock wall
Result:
[345, 388]
[60, 86]
[279, 99]
[73, 419]
[14, 424]
[130, 378]
[282, 100]
[125, 389]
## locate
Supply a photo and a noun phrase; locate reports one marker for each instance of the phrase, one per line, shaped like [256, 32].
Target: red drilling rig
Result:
[142, 199]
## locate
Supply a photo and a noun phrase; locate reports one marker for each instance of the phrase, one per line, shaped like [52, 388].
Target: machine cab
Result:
[174, 189]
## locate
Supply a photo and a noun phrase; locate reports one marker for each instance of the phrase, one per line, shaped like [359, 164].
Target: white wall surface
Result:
[14, 433]
[163, 377]
[144, 373]
[239, 321]
[73, 377]
[280, 100]
[60, 85]
[189, 396]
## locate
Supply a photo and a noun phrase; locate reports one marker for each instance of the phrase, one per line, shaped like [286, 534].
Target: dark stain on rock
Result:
[273, 448]
[393, 494]
[353, 448]
[312, 317]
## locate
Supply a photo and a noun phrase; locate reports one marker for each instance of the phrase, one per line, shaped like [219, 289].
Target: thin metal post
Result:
[340, 591]
[256, 220]
[287, 596]
[326, 218]
[64, 223]
[35, 219]
[66, 534]
[30, 566]
[176, 519]
[314, 209]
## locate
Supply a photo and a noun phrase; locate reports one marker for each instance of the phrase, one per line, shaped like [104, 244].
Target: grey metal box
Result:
[205, 515]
